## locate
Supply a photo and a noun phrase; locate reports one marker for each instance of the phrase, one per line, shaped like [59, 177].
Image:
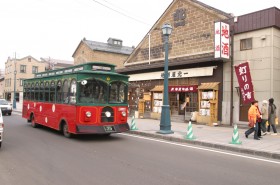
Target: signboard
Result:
[183, 88]
[179, 17]
[180, 73]
[245, 82]
[222, 44]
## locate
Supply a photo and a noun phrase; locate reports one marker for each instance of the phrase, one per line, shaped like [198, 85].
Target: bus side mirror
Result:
[84, 82]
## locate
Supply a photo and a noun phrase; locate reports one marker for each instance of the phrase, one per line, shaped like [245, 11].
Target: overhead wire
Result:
[119, 12]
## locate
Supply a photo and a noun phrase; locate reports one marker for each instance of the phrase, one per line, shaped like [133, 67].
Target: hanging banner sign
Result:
[183, 88]
[222, 45]
[245, 82]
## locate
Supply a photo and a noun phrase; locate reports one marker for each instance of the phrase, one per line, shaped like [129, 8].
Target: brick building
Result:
[25, 68]
[192, 65]
[112, 52]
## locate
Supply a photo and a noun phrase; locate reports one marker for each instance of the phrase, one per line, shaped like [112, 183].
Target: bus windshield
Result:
[99, 92]
[93, 91]
[118, 92]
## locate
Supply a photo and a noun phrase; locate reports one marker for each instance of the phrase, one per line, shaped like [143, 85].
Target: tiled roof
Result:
[100, 46]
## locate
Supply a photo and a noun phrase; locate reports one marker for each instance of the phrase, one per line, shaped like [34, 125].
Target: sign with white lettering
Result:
[183, 88]
[245, 82]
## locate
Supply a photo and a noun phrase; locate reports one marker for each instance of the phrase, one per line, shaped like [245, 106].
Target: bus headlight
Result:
[123, 114]
[88, 114]
[108, 114]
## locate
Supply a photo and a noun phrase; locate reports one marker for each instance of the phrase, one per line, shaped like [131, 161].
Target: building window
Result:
[34, 69]
[21, 82]
[245, 44]
[117, 42]
[22, 68]
[17, 97]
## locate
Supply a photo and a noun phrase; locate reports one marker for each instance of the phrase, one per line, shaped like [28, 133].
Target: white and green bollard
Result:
[133, 124]
[235, 136]
[190, 135]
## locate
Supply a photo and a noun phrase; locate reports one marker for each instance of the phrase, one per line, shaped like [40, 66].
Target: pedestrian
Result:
[271, 116]
[259, 121]
[264, 111]
[253, 115]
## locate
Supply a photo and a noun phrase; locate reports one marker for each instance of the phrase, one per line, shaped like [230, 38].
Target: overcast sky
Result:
[54, 28]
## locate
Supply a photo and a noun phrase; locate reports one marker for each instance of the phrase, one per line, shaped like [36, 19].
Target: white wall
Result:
[264, 57]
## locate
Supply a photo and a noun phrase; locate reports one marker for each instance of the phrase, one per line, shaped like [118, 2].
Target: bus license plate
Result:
[109, 128]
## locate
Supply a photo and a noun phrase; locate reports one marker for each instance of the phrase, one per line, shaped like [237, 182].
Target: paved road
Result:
[41, 157]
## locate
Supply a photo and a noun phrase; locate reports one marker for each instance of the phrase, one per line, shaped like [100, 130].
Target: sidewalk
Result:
[213, 137]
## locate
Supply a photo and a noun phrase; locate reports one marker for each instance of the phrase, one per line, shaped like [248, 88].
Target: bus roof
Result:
[89, 67]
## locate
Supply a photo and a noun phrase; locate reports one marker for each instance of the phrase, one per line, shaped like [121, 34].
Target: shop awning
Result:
[207, 86]
[158, 88]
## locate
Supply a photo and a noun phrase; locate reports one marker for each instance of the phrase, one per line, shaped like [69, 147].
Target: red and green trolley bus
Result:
[90, 98]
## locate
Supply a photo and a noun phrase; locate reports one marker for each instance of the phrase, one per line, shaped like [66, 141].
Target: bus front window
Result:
[118, 92]
[93, 91]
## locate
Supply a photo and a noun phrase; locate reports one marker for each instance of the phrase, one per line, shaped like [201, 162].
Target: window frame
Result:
[244, 44]
[22, 68]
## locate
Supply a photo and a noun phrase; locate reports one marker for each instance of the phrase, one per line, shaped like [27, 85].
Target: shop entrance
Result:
[182, 102]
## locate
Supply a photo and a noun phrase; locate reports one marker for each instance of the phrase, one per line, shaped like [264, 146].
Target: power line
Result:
[123, 14]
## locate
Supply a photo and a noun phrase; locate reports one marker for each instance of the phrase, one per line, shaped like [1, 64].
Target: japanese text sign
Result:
[183, 88]
[245, 82]
[222, 44]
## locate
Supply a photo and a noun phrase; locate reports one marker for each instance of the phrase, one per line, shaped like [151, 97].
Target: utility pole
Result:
[15, 79]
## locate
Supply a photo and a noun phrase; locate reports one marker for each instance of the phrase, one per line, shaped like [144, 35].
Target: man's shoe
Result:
[274, 134]
[246, 135]
[260, 136]
[264, 133]
[256, 138]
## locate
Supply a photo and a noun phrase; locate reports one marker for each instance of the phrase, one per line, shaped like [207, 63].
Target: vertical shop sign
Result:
[245, 82]
[222, 45]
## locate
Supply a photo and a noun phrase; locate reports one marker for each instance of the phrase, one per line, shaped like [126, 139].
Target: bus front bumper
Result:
[106, 129]
[1, 134]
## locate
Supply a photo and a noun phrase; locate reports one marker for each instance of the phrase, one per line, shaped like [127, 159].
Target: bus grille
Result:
[106, 119]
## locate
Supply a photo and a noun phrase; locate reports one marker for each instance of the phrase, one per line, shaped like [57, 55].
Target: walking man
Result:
[253, 115]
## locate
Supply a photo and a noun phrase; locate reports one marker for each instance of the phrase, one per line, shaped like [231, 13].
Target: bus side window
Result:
[52, 92]
[58, 92]
[65, 92]
[73, 90]
[47, 93]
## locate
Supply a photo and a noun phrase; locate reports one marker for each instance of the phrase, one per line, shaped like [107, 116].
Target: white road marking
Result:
[205, 149]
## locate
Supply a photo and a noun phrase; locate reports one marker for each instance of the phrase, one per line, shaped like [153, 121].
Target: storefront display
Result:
[208, 103]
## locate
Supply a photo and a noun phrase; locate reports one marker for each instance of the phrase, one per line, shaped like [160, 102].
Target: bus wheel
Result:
[0, 144]
[65, 131]
[33, 123]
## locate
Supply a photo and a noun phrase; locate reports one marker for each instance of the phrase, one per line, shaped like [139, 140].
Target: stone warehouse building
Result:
[112, 52]
[194, 73]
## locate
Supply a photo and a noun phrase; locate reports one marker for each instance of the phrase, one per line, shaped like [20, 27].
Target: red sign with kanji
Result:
[245, 82]
[182, 88]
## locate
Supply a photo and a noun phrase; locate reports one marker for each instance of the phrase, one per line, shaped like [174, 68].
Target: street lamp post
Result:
[15, 76]
[165, 124]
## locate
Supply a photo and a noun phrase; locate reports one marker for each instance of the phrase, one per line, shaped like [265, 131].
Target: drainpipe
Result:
[231, 76]
[149, 34]
[272, 65]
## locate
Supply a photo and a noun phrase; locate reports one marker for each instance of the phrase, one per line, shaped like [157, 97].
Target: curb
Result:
[210, 145]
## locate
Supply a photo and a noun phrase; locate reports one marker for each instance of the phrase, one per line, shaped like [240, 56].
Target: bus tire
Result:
[0, 144]
[33, 123]
[65, 131]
